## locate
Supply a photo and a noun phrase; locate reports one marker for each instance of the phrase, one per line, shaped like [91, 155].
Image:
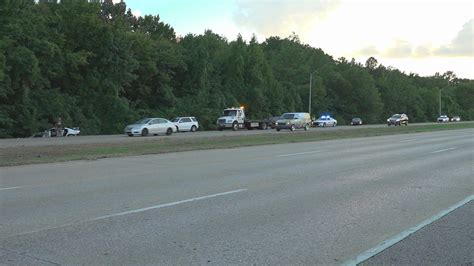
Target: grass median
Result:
[47, 154]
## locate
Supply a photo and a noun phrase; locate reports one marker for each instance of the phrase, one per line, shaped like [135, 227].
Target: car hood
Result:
[136, 125]
[285, 120]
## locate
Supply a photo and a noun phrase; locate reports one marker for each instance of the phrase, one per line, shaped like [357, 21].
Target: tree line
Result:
[97, 66]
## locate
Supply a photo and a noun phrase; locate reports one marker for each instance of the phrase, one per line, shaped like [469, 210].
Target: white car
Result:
[324, 121]
[455, 119]
[188, 123]
[150, 126]
[443, 119]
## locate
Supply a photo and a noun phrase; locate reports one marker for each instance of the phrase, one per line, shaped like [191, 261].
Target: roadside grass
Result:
[54, 153]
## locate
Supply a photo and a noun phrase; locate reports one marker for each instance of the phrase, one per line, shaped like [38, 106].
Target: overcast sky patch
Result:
[462, 44]
[280, 17]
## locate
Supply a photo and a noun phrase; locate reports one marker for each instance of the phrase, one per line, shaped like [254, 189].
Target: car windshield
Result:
[396, 116]
[143, 121]
[230, 113]
[288, 116]
[355, 119]
[175, 119]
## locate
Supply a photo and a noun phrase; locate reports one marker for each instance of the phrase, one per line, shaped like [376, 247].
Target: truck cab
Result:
[232, 118]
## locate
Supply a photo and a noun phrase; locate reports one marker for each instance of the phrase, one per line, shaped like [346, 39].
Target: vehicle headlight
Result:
[398, 120]
[287, 123]
[388, 120]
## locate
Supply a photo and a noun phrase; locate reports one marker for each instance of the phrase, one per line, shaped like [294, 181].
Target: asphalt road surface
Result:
[447, 241]
[304, 203]
[93, 139]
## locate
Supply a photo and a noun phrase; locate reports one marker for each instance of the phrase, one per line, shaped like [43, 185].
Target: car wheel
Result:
[220, 129]
[292, 128]
[333, 125]
[235, 126]
[169, 131]
[306, 127]
[264, 126]
[145, 132]
[177, 129]
[324, 124]
[193, 129]
[278, 129]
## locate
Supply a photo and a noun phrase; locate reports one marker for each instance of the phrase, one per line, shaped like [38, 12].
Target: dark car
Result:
[398, 120]
[356, 121]
[271, 121]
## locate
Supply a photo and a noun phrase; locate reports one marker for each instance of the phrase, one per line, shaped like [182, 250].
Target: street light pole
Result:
[310, 83]
[439, 102]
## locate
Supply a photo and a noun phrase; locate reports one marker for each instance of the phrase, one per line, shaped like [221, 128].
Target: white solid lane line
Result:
[8, 188]
[167, 204]
[449, 149]
[134, 211]
[399, 237]
[299, 153]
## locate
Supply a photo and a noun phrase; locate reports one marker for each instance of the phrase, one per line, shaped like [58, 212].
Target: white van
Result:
[293, 121]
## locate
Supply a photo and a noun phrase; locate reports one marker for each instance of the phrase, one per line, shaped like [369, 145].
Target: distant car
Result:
[271, 121]
[455, 119]
[53, 132]
[153, 126]
[186, 124]
[443, 119]
[398, 120]
[356, 121]
[325, 121]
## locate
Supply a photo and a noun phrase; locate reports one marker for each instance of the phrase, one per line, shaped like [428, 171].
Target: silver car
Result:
[150, 126]
[324, 121]
[443, 119]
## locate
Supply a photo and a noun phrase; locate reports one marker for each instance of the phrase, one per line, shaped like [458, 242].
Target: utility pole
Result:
[310, 83]
[310, 91]
[439, 102]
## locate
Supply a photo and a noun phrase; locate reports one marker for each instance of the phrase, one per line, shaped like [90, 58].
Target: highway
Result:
[311, 203]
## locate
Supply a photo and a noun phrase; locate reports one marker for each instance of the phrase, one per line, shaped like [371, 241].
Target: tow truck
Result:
[234, 118]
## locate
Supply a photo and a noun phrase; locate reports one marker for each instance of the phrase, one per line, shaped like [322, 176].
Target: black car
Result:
[271, 121]
[356, 121]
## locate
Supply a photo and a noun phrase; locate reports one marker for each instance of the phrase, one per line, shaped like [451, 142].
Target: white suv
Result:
[188, 123]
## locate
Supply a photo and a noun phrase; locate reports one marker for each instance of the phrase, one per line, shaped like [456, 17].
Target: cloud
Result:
[281, 17]
[400, 48]
[462, 44]
[137, 13]
[368, 50]
[423, 51]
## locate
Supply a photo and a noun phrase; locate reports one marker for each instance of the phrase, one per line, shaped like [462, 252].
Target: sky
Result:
[418, 36]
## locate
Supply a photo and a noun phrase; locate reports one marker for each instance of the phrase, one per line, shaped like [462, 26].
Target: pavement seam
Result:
[399, 237]
[24, 254]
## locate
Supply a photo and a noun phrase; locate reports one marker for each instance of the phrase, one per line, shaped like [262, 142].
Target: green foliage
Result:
[98, 67]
